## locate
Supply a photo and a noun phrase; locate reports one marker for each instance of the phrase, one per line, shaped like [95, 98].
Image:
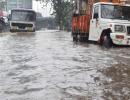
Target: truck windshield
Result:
[115, 12]
[21, 15]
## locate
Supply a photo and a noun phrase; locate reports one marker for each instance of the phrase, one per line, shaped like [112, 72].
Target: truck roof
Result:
[121, 4]
[21, 9]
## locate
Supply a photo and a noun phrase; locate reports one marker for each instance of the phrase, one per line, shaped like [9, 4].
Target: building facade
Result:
[12, 4]
[3, 5]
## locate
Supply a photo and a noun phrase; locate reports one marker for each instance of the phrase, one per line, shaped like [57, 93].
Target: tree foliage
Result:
[62, 10]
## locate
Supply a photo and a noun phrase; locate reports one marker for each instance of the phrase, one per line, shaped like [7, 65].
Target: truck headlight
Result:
[119, 28]
[29, 28]
[14, 27]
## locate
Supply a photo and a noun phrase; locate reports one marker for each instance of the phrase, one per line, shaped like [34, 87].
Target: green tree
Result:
[62, 10]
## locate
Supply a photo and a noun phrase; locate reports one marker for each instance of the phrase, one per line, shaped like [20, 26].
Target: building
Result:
[12, 4]
[3, 8]
[3, 5]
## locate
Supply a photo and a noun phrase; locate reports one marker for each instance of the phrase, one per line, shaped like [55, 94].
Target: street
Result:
[48, 65]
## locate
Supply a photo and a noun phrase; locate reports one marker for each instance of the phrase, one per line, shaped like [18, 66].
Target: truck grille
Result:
[128, 30]
[22, 25]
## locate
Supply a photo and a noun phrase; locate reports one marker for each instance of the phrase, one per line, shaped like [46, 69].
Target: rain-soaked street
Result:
[48, 65]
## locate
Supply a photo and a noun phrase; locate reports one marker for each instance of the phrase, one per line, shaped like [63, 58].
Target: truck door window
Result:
[95, 14]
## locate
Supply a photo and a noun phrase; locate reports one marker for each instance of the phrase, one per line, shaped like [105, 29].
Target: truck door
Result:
[93, 34]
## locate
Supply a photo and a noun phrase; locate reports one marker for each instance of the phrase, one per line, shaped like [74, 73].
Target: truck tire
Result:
[81, 39]
[75, 38]
[107, 42]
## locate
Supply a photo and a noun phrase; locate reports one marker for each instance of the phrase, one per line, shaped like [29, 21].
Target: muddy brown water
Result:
[47, 65]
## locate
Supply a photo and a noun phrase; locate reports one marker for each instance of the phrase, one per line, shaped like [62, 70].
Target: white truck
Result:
[22, 20]
[107, 24]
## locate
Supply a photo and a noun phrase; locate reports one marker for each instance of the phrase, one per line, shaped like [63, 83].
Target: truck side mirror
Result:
[95, 15]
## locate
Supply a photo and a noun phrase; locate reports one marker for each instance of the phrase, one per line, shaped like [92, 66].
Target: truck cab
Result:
[110, 23]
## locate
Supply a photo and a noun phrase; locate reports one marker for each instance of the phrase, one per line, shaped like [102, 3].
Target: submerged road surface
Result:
[48, 65]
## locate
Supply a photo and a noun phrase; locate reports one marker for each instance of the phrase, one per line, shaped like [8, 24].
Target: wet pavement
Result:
[48, 65]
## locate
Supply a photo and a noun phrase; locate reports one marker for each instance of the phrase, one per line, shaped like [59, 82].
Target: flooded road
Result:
[47, 65]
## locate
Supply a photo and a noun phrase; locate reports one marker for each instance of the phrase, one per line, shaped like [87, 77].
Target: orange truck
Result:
[104, 21]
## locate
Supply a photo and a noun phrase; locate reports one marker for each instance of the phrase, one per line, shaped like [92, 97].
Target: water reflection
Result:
[116, 84]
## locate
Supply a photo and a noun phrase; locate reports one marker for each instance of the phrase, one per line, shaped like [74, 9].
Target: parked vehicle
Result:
[2, 24]
[104, 22]
[22, 20]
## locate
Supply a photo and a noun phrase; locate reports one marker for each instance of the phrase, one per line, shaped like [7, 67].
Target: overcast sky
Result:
[37, 6]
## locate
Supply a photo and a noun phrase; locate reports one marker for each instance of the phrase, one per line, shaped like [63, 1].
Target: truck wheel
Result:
[107, 42]
[81, 39]
[75, 38]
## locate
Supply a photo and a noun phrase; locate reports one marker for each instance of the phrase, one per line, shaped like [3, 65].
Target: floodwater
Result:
[48, 65]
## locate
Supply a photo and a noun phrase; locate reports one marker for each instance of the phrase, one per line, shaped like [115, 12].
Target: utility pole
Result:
[37, 4]
[5, 5]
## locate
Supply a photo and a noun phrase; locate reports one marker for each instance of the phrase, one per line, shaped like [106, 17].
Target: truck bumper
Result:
[22, 30]
[120, 39]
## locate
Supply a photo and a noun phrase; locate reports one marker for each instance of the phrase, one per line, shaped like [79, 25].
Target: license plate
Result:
[14, 27]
